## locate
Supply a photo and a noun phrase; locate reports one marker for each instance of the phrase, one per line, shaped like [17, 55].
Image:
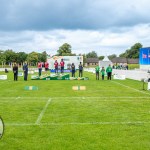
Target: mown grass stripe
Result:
[42, 112]
[78, 123]
[130, 88]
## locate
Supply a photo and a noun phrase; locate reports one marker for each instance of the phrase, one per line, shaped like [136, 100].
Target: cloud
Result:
[106, 27]
[82, 41]
[75, 14]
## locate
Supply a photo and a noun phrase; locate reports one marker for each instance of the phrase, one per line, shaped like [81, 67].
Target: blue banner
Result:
[144, 56]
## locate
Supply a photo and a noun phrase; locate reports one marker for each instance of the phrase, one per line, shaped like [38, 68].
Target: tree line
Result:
[9, 56]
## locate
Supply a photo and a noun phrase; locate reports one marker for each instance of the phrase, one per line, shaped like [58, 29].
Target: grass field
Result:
[108, 115]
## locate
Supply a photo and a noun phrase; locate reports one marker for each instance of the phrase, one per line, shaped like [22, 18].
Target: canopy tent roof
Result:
[105, 62]
[106, 58]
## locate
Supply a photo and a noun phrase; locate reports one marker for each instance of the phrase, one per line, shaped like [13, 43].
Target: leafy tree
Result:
[92, 54]
[65, 49]
[42, 56]
[32, 58]
[2, 57]
[11, 56]
[21, 57]
[112, 56]
[101, 57]
[133, 52]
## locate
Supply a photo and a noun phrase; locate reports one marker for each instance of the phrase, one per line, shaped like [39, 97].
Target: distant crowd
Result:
[121, 66]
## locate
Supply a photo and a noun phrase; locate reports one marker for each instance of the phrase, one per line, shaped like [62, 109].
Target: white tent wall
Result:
[105, 62]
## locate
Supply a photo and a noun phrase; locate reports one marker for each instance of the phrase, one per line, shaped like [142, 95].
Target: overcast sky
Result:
[105, 26]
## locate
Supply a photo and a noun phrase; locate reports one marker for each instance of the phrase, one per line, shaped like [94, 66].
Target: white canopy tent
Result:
[105, 62]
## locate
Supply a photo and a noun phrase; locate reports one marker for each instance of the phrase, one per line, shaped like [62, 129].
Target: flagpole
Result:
[148, 56]
[142, 57]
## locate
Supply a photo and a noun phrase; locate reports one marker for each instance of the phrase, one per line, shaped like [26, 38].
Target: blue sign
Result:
[53, 70]
[144, 56]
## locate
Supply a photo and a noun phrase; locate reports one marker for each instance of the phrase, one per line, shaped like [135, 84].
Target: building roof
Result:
[92, 60]
[119, 60]
[125, 60]
[133, 61]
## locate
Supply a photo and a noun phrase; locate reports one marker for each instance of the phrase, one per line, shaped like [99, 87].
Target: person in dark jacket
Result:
[80, 69]
[15, 71]
[25, 69]
[73, 70]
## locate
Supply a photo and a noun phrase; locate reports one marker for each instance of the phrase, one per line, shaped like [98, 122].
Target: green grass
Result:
[133, 66]
[108, 115]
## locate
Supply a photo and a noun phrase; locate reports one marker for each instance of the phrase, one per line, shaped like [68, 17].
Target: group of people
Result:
[73, 68]
[102, 71]
[62, 63]
[59, 66]
[25, 70]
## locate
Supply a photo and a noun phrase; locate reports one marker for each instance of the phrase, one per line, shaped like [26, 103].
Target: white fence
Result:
[133, 74]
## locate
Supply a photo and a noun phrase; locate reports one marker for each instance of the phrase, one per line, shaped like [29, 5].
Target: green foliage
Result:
[133, 52]
[42, 56]
[133, 66]
[11, 56]
[21, 57]
[65, 49]
[32, 58]
[2, 57]
[92, 54]
[101, 57]
[112, 56]
[68, 54]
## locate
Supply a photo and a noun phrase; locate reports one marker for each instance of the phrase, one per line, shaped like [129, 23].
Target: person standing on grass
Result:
[62, 63]
[40, 68]
[15, 71]
[25, 69]
[73, 70]
[80, 69]
[97, 69]
[109, 72]
[103, 72]
[56, 66]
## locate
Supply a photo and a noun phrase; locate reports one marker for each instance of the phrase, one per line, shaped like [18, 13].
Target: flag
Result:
[148, 55]
[144, 56]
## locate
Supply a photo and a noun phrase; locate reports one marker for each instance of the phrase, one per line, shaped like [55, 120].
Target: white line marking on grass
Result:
[17, 97]
[42, 112]
[30, 98]
[131, 88]
[78, 123]
[107, 97]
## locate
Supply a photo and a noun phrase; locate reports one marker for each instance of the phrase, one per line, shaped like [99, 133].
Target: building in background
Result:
[91, 61]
